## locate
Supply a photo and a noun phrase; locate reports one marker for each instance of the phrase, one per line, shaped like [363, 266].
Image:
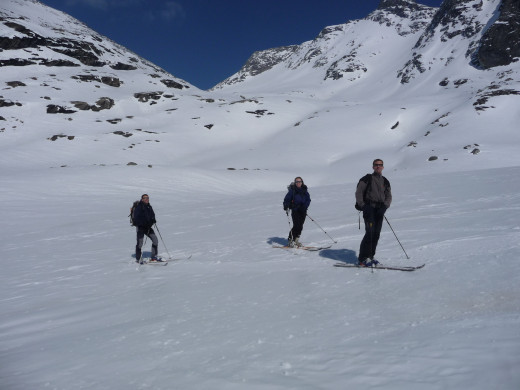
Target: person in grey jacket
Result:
[373, 196]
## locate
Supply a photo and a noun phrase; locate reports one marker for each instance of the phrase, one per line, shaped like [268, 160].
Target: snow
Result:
[79, 313]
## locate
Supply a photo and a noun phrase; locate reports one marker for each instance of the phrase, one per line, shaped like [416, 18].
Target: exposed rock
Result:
[419, 14]
[349, 63]
[81, 105]
[55, 109]
[16, 62]
[57, 63]
[121, 66]
[173, 84]
[460, 82]
[55, 137]
[15, 84]
[410, 67]
[261, 61]
[244, 100]
[483, 97]
[111, 81]
[500, 43]
[143, 97]
[8, 103]
[123, 133]
[105, 103]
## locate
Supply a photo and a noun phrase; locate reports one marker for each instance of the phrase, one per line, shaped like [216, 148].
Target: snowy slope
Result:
[77, 313]
[445, 110]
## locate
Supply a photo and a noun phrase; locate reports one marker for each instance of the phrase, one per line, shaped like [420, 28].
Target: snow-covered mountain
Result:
[407, 81]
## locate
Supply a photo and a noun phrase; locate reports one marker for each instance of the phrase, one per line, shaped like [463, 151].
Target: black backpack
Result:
[368, 179]
[134, 205]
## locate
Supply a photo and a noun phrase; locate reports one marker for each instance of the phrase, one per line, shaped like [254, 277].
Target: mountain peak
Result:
[384, 4]
[402, 8]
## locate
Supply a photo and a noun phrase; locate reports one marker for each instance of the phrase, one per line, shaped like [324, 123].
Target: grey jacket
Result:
[377, 192]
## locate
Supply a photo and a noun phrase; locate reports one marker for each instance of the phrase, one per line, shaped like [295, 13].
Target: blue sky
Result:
[206, 41]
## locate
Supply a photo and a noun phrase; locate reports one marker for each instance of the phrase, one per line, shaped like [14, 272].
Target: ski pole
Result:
[396, 237]
[335, 242]
[158, 231]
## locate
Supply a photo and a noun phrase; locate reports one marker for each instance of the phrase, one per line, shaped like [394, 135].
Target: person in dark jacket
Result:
[298, 201]
[144, 219]
[374, 197]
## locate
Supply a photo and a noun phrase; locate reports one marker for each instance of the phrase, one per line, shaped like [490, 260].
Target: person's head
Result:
[145, 198]
[378, 166]
[298, 181]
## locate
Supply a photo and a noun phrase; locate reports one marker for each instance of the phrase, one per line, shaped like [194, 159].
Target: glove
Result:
[285, 208]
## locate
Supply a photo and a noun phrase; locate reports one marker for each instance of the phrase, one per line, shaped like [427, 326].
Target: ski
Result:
[306, 248]
[406, 268]
[179, 258]
[162, 262]
[148, 262]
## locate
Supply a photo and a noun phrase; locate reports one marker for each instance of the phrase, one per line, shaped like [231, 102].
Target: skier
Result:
[373, 196]
[144, 219]
[298, 200]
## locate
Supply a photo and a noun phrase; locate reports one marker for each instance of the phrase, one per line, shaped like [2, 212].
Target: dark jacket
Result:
[297, 199]
[143, 215]
[378, 191]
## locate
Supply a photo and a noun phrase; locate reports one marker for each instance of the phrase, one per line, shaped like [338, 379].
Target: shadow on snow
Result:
[344, 255]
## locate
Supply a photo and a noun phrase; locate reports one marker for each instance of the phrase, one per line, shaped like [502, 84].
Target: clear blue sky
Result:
[206, 41]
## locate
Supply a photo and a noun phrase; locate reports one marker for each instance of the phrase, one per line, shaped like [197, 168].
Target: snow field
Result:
[240, 314]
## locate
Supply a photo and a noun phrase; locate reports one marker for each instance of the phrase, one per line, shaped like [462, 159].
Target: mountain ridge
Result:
[399, 83]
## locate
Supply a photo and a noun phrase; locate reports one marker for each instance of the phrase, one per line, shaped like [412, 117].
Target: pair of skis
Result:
[380, 266]
[305, 248]
[163, 262]
[348, 265]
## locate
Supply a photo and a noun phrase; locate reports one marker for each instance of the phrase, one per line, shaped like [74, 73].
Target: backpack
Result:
[368, 179]
[134, 205]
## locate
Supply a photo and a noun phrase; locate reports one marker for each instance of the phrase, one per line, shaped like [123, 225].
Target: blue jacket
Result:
[297, 199]
[144, 215]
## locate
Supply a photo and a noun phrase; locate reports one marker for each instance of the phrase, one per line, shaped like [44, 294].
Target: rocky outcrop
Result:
[500, 44]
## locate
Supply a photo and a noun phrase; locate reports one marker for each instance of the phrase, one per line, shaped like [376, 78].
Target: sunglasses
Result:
[378, 165]
[298, 181]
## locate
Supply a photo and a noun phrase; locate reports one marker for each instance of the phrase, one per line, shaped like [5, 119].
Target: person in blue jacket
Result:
[297, 200]
[144, 219]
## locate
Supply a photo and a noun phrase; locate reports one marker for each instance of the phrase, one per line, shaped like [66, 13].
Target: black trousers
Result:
[141, 232]
[373, 217]
[298, 219]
